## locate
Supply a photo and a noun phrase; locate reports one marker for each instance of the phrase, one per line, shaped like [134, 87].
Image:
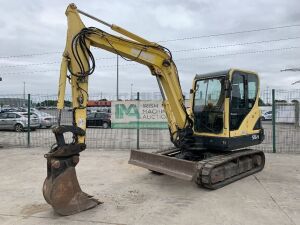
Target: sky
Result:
[198, 32]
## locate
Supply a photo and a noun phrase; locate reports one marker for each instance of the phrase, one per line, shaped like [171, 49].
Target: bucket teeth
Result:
[61, 188]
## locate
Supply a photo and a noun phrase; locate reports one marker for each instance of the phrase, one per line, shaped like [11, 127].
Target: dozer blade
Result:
[171, 166]
[61, 188]
[212, 172]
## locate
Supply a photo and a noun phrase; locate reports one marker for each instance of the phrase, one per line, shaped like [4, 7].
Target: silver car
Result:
[18, 121]
[45, 119]
[267, 115]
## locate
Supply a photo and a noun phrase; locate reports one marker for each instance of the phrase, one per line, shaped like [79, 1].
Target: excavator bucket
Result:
[61, 188]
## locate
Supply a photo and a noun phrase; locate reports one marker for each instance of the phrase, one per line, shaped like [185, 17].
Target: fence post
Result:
[138, 123]
[296, 103]
[273, 121]
[28, 121]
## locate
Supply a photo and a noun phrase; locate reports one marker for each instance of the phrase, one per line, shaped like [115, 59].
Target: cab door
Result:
[244, 89]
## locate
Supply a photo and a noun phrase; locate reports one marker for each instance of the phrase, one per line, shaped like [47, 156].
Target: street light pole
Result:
[267, 94]
[117, 77]
[297, 82]
[131, 97]
[292, 70]
[24, 84]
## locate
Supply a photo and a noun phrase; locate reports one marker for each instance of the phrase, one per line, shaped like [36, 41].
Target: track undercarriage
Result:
[210, 170]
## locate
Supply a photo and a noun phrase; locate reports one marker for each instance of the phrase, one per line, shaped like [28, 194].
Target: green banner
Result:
[142, 125]
[138, 114]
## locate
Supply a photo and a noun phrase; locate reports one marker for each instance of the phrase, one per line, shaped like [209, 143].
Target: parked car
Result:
[41, 107]
[98, 119]
[45, 119]
[267, 115]
[18, 121]
[8, 109]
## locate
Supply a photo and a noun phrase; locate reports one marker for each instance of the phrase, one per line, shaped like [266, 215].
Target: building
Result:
[13, 102]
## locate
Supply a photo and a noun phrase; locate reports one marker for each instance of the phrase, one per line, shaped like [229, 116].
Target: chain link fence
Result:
[280, 120]
[285, 121]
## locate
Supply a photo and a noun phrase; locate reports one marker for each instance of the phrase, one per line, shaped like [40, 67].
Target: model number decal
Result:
[255, 137]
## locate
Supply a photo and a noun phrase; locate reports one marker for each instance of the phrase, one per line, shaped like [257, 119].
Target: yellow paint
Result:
[62, 83]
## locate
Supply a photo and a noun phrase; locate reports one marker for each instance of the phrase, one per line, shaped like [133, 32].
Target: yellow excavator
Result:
[210, 138]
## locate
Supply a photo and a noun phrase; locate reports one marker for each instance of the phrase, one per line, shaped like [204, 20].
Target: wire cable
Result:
[230, 33]
[29, 55]
[172, 40]
[179, 59]
[240, 53]
[237, 44]
[175, 51]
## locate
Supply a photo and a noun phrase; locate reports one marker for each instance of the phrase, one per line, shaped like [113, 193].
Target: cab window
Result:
[209, 104]
[208, 94]
[238, 99]
[252, 90]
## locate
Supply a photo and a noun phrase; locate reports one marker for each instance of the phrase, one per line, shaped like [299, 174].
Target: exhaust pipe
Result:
[61, 189]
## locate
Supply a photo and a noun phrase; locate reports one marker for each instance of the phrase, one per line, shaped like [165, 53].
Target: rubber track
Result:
[205, 167]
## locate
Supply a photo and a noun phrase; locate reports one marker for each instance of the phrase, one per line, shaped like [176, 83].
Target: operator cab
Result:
[225, 104]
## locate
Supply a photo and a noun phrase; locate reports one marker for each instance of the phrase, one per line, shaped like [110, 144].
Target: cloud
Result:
[167, 17]
[39, 26]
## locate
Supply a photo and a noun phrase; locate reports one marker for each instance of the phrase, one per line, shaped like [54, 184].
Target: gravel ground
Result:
[133, 195]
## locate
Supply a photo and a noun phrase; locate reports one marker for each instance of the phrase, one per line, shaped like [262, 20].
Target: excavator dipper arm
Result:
[61, 188]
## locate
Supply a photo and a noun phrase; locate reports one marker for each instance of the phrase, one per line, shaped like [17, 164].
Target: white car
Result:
[267, 115]
[45, 119]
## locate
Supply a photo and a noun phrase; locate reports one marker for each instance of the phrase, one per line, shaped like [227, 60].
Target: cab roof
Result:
[220, 73]
[212, 75]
